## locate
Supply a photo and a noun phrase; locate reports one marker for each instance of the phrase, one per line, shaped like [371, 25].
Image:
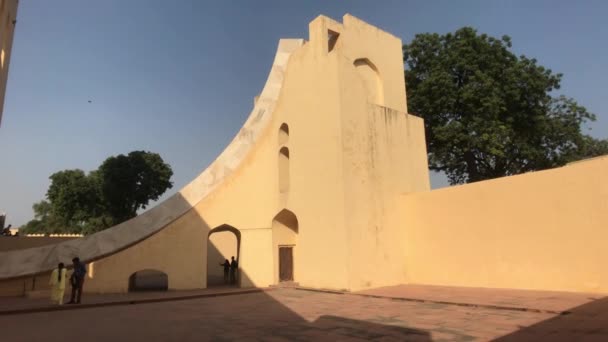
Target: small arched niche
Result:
[148, 280]
[284, 170]
[283, 134]
[371, 80]
[285, 228]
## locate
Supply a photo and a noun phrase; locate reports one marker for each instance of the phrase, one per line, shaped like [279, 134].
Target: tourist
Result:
[7, 231]
[57, 282]
[226, 265]
[234, 265]
[77, 280]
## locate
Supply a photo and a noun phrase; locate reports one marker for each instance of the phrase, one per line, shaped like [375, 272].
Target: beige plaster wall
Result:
[379, 167]
[337, 192]
[383, 151]
[178, 250]
[309, 105]
[255, 266]
[543, 230]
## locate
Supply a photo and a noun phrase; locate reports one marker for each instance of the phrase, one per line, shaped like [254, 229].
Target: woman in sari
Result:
[57, 282]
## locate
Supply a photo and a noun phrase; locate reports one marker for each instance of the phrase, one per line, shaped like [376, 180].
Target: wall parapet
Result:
[542, 230]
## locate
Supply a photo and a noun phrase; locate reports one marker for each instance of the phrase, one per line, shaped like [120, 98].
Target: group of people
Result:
[58, 280]
[230, 269]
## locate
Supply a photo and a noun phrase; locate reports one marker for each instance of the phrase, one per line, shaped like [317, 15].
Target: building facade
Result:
[327, 185]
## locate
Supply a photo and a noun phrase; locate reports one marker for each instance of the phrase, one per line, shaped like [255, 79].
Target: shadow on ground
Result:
[279, 315]
[367, 330]
[588, 322]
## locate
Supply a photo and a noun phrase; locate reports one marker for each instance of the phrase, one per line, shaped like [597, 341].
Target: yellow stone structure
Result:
[8, 20]
[327, 185]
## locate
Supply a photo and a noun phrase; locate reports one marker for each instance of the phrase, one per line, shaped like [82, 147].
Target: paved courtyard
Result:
[297, 315]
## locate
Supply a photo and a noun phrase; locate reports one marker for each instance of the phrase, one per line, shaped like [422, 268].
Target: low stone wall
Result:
[11, 243]
[23, 286]
[537, 231]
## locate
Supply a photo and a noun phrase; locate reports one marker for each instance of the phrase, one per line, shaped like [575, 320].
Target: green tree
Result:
[44, 220]
[489, 113]
[128, 183]
[87, 203]
[74, 197]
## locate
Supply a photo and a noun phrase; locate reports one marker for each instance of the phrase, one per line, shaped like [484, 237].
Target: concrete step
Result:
[286, 284]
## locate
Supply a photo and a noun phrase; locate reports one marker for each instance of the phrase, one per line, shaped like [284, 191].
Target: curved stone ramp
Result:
[33, 261]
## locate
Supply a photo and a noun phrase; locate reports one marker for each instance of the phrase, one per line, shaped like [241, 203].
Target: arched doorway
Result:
[285, 229]
[148, 280]
[223, 243]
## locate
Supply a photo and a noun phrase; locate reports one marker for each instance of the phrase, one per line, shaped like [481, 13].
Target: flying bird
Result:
[89, 101]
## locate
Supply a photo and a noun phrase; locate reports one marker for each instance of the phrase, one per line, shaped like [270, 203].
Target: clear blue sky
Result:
[179, 77]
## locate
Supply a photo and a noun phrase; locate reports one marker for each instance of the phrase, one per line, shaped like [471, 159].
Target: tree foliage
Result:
[489, 113]
[86, 203]
[74, 197]
[44, 221]
[130, 182]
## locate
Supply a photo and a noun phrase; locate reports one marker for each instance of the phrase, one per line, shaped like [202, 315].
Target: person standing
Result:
[57, 282]
[226, 265]
[234, 265]
[77, 280]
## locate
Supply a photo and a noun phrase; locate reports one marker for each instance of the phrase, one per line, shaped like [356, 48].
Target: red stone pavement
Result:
[550, 301]
[296, 315]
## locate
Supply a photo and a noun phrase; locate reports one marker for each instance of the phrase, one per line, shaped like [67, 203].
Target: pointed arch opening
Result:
[285, 229]
[371, 79]
[223, 243]
[283, 134]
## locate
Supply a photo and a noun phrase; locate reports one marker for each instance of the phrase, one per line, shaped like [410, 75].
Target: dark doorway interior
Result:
[148, 280]
[285, 263]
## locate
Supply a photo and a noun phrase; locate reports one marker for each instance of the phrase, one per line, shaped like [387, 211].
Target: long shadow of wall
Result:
[356, 329]
[253, 317]
[588, 322]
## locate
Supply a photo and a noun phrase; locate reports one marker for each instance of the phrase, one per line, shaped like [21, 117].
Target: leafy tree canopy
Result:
[130, 182]
[489, 113]
[86, 203]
